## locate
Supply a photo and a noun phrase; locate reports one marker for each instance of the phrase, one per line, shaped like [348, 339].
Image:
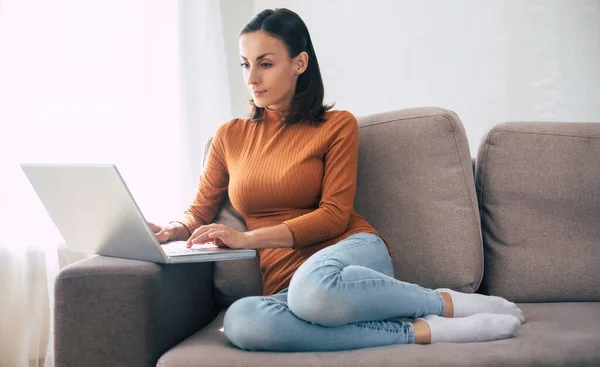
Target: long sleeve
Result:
[300, 175]
[212, 187]
[338, 188]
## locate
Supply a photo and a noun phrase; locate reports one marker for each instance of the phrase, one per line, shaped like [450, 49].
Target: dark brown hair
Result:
[307, 104]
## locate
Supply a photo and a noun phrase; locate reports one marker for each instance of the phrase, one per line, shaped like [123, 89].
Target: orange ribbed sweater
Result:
[301, 175]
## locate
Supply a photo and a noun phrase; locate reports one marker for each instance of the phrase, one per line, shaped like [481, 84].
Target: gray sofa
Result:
[525, 226]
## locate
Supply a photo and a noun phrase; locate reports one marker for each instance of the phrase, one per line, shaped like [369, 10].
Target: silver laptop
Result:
[95, 213]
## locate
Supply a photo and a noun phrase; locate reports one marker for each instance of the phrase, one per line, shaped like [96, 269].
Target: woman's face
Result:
[269, 73]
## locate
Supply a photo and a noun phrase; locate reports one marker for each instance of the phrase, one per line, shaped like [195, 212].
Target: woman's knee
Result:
[315, 300]
[248, 325]
[238, 324]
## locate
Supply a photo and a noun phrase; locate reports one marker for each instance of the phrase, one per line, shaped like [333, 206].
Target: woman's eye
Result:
[264, 65]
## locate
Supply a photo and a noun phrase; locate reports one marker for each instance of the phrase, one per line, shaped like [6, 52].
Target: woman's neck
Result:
[276, 109]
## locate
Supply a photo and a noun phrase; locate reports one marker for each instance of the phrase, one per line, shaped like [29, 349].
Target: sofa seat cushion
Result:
[555, 334]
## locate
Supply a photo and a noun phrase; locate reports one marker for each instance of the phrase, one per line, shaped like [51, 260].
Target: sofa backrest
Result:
[539, 194]
[415, 185]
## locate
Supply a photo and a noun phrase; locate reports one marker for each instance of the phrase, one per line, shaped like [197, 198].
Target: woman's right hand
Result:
[163, 233]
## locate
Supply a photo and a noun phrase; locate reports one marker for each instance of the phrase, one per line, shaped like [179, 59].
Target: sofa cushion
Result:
[555, 334]
[415, 185]
[539, 194]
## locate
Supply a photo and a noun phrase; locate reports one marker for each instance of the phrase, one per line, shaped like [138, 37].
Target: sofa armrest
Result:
[119, 312]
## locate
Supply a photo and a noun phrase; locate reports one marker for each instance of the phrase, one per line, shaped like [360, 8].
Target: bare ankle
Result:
[422, 332]
[448, 305]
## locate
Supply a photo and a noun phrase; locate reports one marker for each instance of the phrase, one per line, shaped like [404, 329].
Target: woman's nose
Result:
[252, 76]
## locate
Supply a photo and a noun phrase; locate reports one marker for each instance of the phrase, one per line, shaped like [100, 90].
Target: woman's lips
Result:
[258, 93]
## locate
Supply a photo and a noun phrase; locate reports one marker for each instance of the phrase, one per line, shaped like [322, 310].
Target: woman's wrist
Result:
[177, 231]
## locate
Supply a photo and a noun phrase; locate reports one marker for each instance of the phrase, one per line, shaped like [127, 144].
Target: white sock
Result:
[467, 304]
[476, 328]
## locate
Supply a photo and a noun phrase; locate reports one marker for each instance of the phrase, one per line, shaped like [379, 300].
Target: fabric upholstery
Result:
[539, 192]
[556, 334]
[416, 186]
[120, 312]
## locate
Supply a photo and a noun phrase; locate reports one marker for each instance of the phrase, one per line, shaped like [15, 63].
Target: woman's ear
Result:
[300, 62]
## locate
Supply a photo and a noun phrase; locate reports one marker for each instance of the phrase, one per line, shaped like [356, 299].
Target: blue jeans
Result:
[338, 299]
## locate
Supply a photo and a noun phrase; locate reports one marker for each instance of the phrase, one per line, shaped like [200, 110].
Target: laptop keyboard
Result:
[178, 249]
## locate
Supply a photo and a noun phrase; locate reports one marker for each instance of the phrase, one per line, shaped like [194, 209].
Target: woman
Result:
[290, 169]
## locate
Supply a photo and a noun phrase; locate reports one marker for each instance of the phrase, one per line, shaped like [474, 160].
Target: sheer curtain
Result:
[96, 82]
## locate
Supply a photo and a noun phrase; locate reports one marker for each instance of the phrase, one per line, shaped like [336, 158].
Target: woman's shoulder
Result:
[229, 130]
[339, 115]
[337, 120]
[233, 125]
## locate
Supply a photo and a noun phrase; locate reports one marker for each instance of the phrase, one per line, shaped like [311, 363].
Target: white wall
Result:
[205, 95]
[490, 61]
[236, 13]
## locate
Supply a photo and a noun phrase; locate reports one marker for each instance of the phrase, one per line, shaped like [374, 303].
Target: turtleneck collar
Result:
[276, 115]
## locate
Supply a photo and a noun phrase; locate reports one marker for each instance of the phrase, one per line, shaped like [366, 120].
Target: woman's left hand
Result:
[220, 235]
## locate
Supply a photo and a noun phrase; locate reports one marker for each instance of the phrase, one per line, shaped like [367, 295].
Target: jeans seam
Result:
[406, 328]
[392, 331]
[362, 280]
[410, 333]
